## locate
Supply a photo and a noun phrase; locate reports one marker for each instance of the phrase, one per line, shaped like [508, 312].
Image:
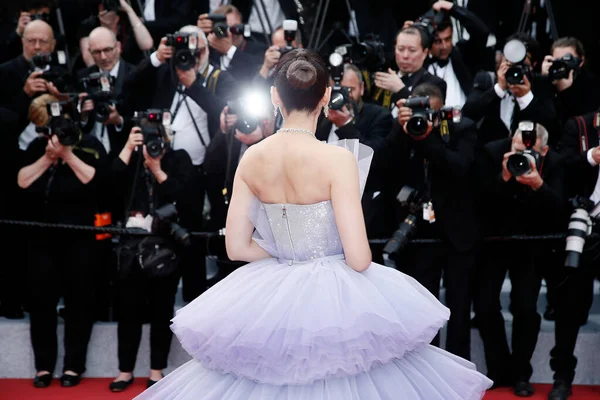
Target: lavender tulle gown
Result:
[304, 326]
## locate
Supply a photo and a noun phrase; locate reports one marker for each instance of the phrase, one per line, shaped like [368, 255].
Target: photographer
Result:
[147, 177]
[457, 63]
[370, 123]
[411, 50]
[61, 175]
[436, 162]
[124, 23]
[233, 52]
[521, 193]
[182, 81]
[498, 104]
[106, 51]
[575, 90]
[575, 289]
[279, 45]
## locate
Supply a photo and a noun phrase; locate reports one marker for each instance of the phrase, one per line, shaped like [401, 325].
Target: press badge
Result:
[428, 212]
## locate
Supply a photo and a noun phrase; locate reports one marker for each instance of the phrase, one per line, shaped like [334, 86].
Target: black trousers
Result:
[426, 263]
[522, 265]
[142, 299]
[574, 292]
[60, 264]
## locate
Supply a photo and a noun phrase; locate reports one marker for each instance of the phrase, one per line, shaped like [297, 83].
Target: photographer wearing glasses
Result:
[521, 181]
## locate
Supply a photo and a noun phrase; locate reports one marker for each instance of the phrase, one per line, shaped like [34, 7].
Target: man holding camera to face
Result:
[179, 78]
[521, 181]
[430, 154]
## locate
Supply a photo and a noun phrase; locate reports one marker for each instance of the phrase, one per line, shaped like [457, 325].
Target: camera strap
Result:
[183, 99]
[150, 180]
[583, 134]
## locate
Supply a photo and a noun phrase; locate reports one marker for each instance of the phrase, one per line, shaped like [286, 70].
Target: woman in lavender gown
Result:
[310, 317]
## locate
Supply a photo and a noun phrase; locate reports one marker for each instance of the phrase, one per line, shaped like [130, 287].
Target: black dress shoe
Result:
[70, 380]
[561, 390]
[119, 386]
[150, 383]
[42, 381]
[524, 389]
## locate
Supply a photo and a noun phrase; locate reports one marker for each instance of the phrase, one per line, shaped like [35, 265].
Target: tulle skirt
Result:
[316, 330]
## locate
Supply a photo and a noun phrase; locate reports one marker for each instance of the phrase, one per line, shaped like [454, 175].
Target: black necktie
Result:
[441, 63]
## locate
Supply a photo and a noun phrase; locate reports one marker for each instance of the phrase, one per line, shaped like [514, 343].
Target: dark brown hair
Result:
[301, 79]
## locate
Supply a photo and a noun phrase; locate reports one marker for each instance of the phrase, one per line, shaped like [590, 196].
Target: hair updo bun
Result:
[301, 74]
[301, 78]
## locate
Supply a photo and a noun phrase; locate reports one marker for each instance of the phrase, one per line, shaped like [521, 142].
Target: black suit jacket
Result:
[421, 76]
[508, 208]
[246, 61]
[451, 176]
[117, 139]
[582, 175]
[13, 75]
[483, 107]
[151, 87]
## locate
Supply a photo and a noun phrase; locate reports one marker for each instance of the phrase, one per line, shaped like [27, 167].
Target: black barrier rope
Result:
[142, 232]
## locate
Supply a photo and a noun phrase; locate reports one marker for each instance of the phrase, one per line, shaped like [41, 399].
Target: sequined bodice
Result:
[301, 232]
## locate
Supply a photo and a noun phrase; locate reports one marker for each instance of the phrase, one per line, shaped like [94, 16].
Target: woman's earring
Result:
[275, 112]
[326, 110]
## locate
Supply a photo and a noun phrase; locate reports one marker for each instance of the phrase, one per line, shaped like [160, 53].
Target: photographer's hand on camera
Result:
[442, 5]
[521, 90]
[501, 74]
[153, 165]
[596, 154]
[114, 118]
[340, 117]
[109, 19]
[205, 24]
[34, 84]
[187, 78]
[227, 120]
[164, 52]
[222, 45]
[24, 19]
[389, 81]
[506, 175]
[404, 114]
[272, 56]
[546, 64]
[532, 178]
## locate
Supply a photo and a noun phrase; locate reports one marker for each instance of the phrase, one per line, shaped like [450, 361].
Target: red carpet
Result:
[97, 389]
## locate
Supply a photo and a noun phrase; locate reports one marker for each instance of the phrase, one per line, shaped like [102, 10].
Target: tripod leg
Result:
[322, 22]
[314, 27]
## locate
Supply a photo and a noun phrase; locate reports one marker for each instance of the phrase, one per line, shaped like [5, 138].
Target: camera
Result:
[515, 52]
[111, 5]
[411, 198]
[580, 227]
[186, 49]
[428, 24]
[520, 163]
[423, 113]
[290, 29]
[561, 67]
[240, 29]
[100, 89]
[40, 16]
[220, 27]
[250, 109]
[54, 66]
[153, 123]
[64, 122]
[339, 95]
[165, 222]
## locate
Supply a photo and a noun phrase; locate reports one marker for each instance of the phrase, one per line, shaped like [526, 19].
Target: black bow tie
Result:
[441, 63]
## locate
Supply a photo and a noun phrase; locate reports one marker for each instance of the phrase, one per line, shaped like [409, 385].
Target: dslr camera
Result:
[585, 212]
[165, 220]
[54, 66]
[100, 89]
[219, 24]
[561, 67]
[428, 23]
[185, 45]
[111, 5]
[369, 54]
[339, 95]
[423, 113]
[520, 163]
[154, 124]
[64, 122]
[40, 16]
[412, 199]
[251, 110]
[515, 52]
[290, 29]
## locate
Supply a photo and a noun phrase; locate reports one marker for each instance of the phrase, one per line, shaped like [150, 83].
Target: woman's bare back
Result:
[291, 168]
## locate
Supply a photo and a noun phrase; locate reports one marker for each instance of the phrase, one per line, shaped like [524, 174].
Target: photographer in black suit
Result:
[437, 164]
[522, 185]
[575, 286]
[195, 94]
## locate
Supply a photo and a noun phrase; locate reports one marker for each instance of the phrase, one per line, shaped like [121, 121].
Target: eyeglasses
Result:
[31, 41]
[106, 51]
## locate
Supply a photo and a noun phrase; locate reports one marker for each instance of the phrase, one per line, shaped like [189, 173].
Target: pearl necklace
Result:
[295, 130]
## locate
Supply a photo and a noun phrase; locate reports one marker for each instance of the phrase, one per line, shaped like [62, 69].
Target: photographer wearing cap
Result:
[179, 78]
[433, 155]
[62, 175]
[575, 90]
[521, 181]
[148, 175]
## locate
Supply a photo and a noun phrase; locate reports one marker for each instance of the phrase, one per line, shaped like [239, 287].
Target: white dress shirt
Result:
[100, 130]
[274, 13]
[149, 12]
[595, 197]
[226, 58]
[455, 97]
[507, 104]
[333, 137]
